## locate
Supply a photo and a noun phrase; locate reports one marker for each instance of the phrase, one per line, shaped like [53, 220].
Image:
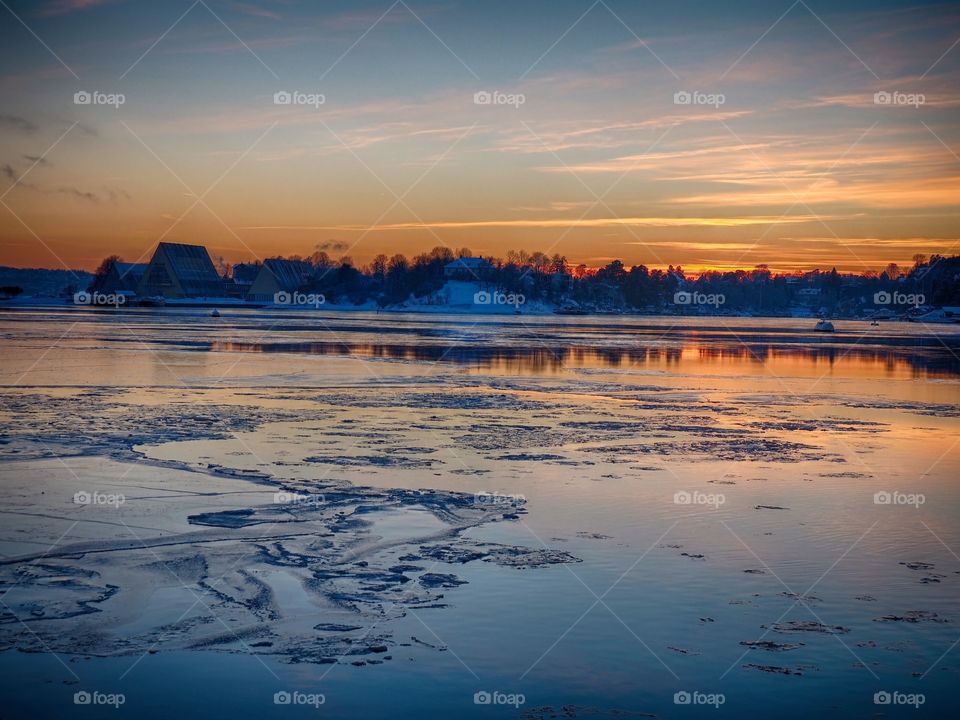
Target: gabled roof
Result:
[290, 274]
[245, 273]
[131, 271]
[178, 270]
[468, 263]
[121, 277]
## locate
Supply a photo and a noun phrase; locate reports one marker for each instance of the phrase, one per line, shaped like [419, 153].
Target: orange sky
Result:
[799, 166]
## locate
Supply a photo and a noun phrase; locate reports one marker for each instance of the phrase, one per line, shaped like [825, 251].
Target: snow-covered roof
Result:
[188, 266]
[290, 274]
[468, 263]
[132, 270]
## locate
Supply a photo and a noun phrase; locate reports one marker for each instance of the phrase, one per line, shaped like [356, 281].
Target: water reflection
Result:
[529, 345]
[554, 357]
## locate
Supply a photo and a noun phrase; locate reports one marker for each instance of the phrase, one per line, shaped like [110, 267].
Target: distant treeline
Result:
[393, 280]
[41, 281]
[390, 281]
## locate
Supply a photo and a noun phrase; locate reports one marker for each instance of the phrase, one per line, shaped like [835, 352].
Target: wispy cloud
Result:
[920, 193]
[37, 160]
[600, 118]
[608, 222]
[254, 10]
[15, 122]
[66, 7]
[78, 194]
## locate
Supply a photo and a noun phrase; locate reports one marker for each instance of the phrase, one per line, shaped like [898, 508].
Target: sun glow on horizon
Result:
[800, 165]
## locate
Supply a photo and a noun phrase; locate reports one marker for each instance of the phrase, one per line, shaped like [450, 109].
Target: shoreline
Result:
[228, 304]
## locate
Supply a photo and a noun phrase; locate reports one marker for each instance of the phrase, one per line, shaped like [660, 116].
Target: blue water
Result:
[665, 623]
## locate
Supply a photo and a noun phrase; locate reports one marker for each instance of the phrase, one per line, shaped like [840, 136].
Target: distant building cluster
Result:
[179, 271]
[466, 268]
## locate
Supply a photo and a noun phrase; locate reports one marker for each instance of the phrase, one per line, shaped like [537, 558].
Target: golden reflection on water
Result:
[852, 362]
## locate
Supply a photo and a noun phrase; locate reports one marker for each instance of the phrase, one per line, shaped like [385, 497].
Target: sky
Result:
[799, 134]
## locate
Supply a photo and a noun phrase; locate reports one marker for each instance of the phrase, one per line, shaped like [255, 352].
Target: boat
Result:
[824, 326]
[874, 324]
[214, 313]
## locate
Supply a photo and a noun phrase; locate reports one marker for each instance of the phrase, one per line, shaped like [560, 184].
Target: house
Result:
[278, 275]
[466, 268]
[242, 279]
[180, 271]
[122, 279]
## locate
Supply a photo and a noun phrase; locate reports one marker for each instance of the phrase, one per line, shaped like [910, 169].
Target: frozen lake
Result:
[394, 513]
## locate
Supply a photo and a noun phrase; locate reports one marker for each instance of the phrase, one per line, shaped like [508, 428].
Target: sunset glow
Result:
[683, 135]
